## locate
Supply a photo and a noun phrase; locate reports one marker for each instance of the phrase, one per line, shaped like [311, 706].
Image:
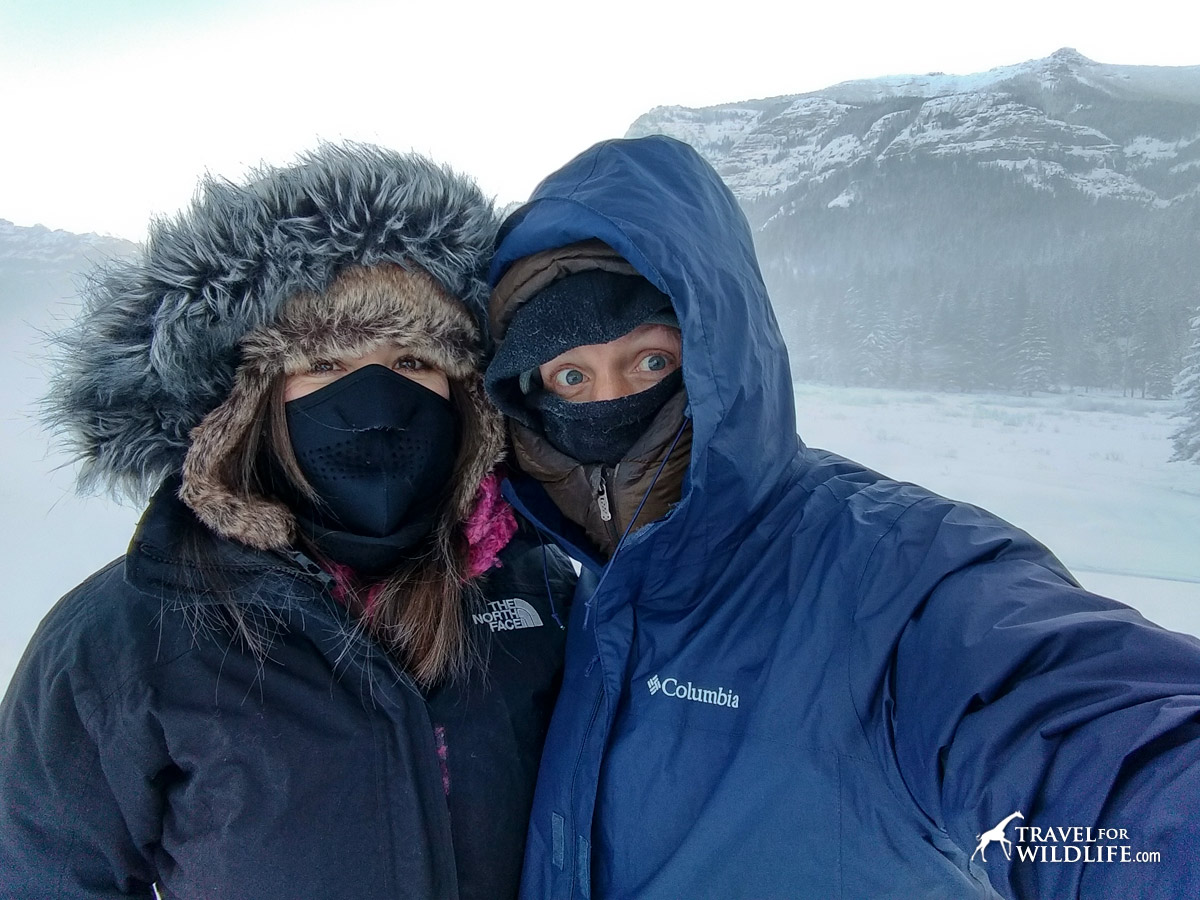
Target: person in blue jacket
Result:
[787, 675]
[326, 665]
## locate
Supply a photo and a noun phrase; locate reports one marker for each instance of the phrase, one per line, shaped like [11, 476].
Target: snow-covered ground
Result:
[1086, 474]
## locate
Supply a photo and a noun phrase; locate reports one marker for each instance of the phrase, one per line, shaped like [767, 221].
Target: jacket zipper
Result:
[323, 581]
[314, 574]
[584, 877]
[600, 482]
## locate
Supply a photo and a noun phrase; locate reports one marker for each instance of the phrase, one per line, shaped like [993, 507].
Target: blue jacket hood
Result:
[658, 204]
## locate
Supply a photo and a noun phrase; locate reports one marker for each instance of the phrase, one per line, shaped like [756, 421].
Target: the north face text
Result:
[509, 615]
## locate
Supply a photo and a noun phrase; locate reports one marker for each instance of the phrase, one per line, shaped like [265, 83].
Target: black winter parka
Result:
[142, 748]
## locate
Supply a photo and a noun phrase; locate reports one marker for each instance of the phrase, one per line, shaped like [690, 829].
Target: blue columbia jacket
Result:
[808, 680]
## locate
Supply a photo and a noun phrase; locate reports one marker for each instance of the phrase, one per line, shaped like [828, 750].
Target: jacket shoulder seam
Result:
[904, 511]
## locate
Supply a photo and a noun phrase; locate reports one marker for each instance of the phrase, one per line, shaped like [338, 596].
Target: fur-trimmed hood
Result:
[156, 346]
[364, 307]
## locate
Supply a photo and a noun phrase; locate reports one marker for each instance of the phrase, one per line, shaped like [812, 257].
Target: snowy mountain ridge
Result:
[1059, 122]
[1016, 229]
[41, 269]
[1067, 64]
[36, 242]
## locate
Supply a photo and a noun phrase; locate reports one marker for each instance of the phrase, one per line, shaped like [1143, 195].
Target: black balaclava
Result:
[602, 431]
[379, 451]
[591, 307]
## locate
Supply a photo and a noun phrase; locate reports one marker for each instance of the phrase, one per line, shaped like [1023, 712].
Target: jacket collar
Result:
[165, 556]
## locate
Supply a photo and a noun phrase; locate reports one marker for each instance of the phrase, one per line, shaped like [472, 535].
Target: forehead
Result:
[643, 337]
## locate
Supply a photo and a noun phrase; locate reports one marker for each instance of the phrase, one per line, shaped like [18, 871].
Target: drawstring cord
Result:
[546, 578]
[587, 606]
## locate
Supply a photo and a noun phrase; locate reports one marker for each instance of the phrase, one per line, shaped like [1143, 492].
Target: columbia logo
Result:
[671, 687]
[509, 615]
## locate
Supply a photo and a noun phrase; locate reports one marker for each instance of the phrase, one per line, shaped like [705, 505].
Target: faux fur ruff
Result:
[363, 308]
[489, 527]
[157, 344]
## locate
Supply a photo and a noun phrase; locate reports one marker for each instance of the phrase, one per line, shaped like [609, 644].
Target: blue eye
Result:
[568, 377]
[654, 362]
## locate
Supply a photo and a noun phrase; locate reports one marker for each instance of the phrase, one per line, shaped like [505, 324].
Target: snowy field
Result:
[1086, 474]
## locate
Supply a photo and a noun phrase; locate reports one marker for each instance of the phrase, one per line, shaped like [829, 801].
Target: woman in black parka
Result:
[325, 666]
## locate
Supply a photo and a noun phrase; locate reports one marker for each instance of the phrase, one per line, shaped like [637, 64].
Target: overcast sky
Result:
[111, 109]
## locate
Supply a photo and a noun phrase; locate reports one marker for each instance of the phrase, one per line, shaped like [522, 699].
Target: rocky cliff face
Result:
[1062, 123]
[1059, 197]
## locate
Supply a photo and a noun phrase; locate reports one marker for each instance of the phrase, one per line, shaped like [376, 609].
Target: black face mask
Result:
[603, 431]
[379, 450]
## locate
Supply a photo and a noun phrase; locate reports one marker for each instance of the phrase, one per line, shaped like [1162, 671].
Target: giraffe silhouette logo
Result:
[996, 834]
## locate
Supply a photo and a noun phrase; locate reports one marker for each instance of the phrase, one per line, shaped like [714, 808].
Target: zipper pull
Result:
[312, 569]
[602, 496]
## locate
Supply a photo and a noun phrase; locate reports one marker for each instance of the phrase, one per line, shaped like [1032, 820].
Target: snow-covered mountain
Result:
[40, 268]
[21, 245]
[1060, 188]
[1064, 122]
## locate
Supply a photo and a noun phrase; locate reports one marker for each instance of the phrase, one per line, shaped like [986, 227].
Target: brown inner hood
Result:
[568, 482]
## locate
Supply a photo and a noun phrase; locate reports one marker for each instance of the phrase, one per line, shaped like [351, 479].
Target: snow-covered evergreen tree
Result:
[875, 356]
[1158, 380]
[1187, 386]
[1033, 357]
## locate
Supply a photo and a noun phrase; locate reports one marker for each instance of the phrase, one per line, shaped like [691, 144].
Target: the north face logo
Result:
[509, 615]
[671, 687]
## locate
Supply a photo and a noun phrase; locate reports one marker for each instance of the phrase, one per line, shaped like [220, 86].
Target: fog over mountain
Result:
[40, 276]
[49, 537]
[1027, 227]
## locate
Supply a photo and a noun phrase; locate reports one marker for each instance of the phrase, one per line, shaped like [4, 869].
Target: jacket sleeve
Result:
[70, 798]
[1012, 689]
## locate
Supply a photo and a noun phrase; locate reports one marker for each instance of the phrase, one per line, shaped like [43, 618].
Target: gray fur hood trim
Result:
[155, 347]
